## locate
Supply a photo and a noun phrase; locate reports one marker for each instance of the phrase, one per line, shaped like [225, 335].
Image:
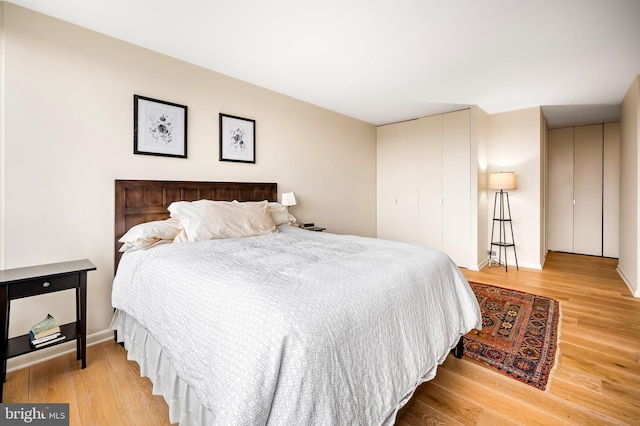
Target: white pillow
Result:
[280, 214]
[143, 245]
[148, 234]
[208, 220]
[181, 237]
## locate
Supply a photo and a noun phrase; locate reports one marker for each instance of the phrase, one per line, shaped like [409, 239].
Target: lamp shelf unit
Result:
[501, 243]
[501, 216]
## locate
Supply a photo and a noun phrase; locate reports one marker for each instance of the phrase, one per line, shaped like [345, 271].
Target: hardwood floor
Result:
[597, 379]
[108, 392]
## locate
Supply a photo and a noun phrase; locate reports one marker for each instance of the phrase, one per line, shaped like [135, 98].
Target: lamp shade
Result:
[288, 199]
[502, 180]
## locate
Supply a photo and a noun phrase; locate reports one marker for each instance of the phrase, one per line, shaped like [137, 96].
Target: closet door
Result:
[430, 182]
[587, 190]
[560, 201]
[397, 181]
[456, 186]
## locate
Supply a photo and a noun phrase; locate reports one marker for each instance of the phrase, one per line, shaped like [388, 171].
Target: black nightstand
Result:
[31, 281]
[315, 228]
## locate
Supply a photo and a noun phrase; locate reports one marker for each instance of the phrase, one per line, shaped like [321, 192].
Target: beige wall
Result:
[514, 145]
[68, 115]
[2, 227]
[629, 186]
[544, 185]
[479, 162]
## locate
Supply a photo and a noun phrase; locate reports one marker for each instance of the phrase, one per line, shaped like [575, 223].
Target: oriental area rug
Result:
[519, 336]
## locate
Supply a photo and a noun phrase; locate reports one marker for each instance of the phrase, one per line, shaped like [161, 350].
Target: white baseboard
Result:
[511, 265]
[482, 265]
[635, 292]
[537, 266]
[46, 354]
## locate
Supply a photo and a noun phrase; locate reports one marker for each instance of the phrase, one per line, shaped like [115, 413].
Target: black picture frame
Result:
[237, 139]
[159, 127]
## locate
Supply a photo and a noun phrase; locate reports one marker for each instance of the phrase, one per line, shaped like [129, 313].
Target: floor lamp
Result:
[500, 182]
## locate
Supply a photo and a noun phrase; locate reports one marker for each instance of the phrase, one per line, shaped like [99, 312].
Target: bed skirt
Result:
[185, 407]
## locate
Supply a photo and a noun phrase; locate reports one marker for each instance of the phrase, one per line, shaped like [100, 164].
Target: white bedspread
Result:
[299, 327]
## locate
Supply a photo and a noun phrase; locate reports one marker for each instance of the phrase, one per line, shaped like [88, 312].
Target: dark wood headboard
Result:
[139, 201]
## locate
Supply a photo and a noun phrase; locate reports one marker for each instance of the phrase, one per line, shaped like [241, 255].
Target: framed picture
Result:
[159, 128]
[237, 139]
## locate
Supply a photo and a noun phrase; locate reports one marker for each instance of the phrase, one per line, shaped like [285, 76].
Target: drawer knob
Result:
[46, 284]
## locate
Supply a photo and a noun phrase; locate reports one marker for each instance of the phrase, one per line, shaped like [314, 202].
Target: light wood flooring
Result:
[597, 380]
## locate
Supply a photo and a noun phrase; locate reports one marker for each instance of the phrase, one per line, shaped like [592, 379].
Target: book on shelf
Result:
[47, 327]
[48, 342]
[49, 333]
[44, 339]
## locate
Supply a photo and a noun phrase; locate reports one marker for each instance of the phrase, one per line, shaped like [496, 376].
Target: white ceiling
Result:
[386, 61]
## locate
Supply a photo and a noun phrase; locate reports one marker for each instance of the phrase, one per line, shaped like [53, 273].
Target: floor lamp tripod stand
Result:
[501, 181]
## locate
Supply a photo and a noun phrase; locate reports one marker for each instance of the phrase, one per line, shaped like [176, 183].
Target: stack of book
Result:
[45, 332]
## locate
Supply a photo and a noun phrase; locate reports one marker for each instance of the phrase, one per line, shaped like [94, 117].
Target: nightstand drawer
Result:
[43, 285]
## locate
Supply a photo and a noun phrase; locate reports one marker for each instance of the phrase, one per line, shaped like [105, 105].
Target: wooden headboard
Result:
[139, 201]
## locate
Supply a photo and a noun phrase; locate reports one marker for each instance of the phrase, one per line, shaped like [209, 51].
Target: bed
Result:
[288, 327]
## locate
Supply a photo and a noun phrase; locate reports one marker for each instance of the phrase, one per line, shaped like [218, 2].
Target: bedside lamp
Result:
[500, 182]
[288, 199]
